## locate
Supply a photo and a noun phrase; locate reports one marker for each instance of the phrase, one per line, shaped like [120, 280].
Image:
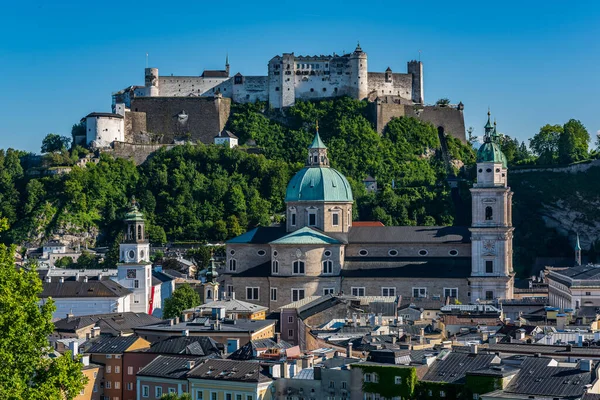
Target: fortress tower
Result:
[416, 69]
[359, 77]
[491, 230]
[151, 82]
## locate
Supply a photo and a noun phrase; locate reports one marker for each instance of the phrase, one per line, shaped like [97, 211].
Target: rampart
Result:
[138, 153]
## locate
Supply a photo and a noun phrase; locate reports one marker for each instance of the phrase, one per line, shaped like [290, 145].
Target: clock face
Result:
[489, 247]
[131, 254]
[131, 274]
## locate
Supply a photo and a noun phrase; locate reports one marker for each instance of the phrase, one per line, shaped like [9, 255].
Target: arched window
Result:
[209, 294]
[139, 232]
[328, 267]
[298, 267]
[489, 213]
[275, 267]
[232, 264]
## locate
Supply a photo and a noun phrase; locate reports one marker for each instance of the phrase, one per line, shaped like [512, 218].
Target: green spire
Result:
[317, 143]
[489, 129]
[577, 245]
[212, 274]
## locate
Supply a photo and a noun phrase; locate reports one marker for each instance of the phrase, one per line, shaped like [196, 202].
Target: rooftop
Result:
[112, 345]
[203, 324]
[91, 288]
[115, 324]
[201, 346]
[230, 370]
[452, 368]
[169, 367]
[306, 235]
[409, 234]
[230, 305]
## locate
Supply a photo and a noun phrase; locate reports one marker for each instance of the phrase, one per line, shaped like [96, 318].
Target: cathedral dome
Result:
[319, 184]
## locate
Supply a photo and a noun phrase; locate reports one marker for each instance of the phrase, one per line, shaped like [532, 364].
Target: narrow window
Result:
[335, 219]
[328, 267]
[275, 267]
[312, 219]
[489, 266]
[489, 213]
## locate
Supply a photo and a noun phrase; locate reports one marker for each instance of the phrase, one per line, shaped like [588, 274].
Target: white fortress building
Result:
[290, 78]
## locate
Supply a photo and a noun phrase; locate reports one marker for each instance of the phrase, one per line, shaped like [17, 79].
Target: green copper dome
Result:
[134, 213]
[319, 184]
[490, 152]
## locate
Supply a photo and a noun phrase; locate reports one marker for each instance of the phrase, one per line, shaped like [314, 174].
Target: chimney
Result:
[474, 349]
[74, 347]
[349, 350]
[190, 364]
[85, 360]
[185, 332]
[233, 295]
[48, 278]
[422, 335]
[585, 365]
[277, 337]
[61, 279]
[85, 278]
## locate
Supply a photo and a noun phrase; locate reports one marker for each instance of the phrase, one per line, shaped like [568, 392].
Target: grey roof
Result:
[169, 367]
[232, 305]
[249, 350]
[229, 370]
[91, 288]
[540, 379]
[583, 272]
[115, 323]
[409, 234]
[101, 114]
[407, 267]
[260, 235]
[306, 373]
[552, 350]
[424, 303]
[161, 276]
[226, 134]
[192, 345]
[453, 367]
[112, 345]
[204, 325]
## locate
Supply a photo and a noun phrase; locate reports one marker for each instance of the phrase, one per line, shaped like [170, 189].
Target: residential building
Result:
[164, 375]
[233, 308]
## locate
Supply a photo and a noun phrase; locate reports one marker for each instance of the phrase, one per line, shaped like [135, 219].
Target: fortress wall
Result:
[138, 153]
[206, 116]
[135, 122]
[401, 85]
[254, 88]
[176, 86]
[450, 118]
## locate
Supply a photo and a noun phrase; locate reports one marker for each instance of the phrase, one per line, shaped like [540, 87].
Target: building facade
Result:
[320, 252]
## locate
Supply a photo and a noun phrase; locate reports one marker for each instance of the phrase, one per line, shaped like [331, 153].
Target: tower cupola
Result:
[135, 231]
[317, 152]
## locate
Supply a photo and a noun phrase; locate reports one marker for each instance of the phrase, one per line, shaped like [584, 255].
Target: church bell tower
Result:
[492, 275]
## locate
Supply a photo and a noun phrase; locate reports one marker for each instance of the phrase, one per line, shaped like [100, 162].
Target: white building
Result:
[102, 129]
[574, 287]
[226, 138]
[53, 247]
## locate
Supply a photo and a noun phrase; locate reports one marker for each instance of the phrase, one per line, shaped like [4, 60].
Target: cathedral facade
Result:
[321, 251]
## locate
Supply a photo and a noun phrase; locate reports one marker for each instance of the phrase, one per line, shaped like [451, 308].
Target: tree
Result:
[55, 143]
[573, 142]
[200, 255]
[64, 262]
[27, 371]
[444, 102]
[183, 297]
[545, 143]
[87, 260]
[472, 139]
[175, 396]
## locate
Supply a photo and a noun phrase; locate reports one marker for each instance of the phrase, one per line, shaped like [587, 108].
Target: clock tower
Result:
[492, 275]
[134, 268]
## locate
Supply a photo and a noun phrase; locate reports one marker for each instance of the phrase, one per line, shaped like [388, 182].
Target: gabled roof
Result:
[91, 288]
[201, 346]
[226, 134]
[250, 349]
[114, 324]
[453, 367]
[539, 378]
[231, 305]
[214, 74]
[229, 370]
[112, 345]
[169, 367]
[306, 235]
[409, 234]
[161, 276]
[260, 235]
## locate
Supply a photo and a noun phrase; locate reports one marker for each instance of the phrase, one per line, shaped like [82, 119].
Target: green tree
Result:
[444, 102]
[545, 143]
[87, 260]
[573, 142]
[201, 256]
[175, 396]
[55, 143]
[27, 371]
[183, 297]
[64, 262]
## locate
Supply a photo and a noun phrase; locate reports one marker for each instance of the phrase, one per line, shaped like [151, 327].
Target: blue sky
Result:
[533, 62]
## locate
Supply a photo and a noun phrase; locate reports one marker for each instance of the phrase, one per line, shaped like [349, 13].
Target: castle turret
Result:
[415, 68]
[577, 252]
[491, 228]
[359, 79]
[151, 82]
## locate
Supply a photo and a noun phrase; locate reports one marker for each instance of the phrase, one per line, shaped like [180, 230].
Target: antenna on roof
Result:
[146, 59]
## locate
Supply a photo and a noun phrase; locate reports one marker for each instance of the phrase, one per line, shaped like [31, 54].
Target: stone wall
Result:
[138, 153]
[398, 85]
[383, 109]
[191, 118]
[135, 122]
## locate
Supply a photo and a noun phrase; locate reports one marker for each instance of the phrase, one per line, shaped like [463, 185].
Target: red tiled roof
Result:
[367, 223]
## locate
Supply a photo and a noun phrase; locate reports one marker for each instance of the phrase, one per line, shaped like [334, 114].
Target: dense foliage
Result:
[27, 370]
[183, 297]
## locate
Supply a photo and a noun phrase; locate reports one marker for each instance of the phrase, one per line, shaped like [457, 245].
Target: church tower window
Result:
[489, 267]
[328, 267]
[335, 219]
[312, 218]
[275, 267]
[489, 213]
[232, 265]
[298, 267]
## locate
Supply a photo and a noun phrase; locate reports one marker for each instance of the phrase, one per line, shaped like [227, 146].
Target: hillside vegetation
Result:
[210, 193]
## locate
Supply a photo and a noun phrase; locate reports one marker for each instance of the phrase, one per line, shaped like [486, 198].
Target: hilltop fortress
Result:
[172, 108]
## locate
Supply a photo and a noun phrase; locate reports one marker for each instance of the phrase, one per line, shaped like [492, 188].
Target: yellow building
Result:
[229, 380]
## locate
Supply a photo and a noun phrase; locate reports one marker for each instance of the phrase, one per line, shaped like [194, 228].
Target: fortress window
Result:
[480, 170]
[232, 265]
[489, 213]
[489, 266]
[298, 267]
[328, 267]
[324, 89]
[312, 90]
[277, 88]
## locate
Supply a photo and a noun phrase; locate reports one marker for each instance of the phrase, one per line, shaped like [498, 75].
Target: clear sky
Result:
[533, 62]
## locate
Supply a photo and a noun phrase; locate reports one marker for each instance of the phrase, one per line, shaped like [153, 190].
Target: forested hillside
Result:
[210, 193]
